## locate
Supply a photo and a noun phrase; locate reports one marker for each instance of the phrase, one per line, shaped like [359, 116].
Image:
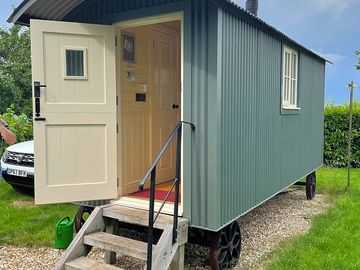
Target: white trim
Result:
[290, 79]
[85, 61]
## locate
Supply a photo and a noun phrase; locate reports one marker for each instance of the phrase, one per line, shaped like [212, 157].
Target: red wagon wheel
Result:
[311, 186]
[225, 247]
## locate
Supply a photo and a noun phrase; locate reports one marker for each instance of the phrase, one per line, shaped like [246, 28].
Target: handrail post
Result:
[177, 184]
[151, 219]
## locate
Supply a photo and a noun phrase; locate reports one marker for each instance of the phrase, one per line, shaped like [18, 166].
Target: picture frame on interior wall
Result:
[129, 47]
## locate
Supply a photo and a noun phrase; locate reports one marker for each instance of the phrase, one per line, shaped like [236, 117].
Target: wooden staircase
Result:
[101, 229]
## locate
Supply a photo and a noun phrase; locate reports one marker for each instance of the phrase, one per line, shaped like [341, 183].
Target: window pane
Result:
[287, 64]
[295, 66]
[75, 63]
[293, 92]
[292, 67]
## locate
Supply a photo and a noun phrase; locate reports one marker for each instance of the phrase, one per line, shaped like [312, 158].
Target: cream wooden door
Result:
[166, 101]
[75, 133]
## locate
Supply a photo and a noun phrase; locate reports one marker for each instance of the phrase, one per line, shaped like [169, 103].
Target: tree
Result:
[358, 64]
[15, 70]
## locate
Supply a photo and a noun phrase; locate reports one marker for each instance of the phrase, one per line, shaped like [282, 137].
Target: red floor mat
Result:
[159, 195]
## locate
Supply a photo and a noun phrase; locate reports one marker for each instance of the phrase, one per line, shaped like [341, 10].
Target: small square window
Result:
[75, 66]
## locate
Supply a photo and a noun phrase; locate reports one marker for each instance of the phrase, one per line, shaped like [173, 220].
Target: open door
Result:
[166, 83]
[73, 68]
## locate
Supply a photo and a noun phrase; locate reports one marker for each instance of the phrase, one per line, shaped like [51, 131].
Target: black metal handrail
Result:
[176, 184]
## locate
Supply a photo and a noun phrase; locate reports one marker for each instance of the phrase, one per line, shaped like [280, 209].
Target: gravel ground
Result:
[284, 216]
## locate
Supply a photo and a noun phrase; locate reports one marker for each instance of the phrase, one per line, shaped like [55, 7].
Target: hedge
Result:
[336, 135]
[20, 125]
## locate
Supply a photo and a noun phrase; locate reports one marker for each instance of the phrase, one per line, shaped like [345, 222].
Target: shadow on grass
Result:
[24, 224]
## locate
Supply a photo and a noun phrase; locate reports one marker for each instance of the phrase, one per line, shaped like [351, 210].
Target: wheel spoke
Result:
[236, 239]
[236, 253]
[226, 263]
[223, 238]
[222, 256]
[223, 247]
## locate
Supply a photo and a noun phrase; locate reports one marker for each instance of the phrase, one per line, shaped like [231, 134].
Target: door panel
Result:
[166, 79]
[75, 147]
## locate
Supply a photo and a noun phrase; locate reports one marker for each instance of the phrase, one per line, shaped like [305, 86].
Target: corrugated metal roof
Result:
[42, 9]
[58, 9]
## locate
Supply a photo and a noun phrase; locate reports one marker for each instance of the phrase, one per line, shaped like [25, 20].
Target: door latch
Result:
[37, 94]
[175, 106]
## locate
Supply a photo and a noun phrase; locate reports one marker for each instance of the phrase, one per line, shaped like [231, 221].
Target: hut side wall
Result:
[263, 150]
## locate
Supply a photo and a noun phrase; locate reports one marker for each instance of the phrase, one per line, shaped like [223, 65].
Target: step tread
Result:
[84, 263]
[118, 244]
[138, 216]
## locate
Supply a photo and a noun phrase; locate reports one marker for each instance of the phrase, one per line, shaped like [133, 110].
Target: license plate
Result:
[17, 172]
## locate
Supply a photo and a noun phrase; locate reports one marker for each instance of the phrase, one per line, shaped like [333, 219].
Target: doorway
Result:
[149, 90]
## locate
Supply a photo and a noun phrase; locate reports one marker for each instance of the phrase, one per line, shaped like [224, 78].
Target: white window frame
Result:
[290, 75]
[85, 60]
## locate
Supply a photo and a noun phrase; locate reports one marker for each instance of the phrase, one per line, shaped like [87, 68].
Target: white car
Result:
[17, 165]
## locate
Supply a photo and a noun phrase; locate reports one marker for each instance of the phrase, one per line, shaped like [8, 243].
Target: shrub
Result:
[21, 125]
[336, 135]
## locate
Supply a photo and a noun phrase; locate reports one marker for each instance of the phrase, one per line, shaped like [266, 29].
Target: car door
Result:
[73, 68]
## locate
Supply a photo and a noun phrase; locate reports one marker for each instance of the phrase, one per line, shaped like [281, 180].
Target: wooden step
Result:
[118, 244]
[137, 216]
[84, 263]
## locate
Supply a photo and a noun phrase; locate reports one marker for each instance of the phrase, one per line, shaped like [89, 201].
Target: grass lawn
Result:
[22, 223]
[334, 239]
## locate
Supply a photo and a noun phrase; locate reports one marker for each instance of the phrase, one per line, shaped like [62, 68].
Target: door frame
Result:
[119, 26]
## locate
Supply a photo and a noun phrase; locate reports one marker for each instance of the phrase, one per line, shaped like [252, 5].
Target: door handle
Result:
[37, 88]
[175, 106]
[37, 94]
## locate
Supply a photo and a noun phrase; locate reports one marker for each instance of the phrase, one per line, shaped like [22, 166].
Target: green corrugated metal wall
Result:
[205, 198]
[263, 151]
[243, 150]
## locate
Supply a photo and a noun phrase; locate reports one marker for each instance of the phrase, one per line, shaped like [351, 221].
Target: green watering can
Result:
[64, 232]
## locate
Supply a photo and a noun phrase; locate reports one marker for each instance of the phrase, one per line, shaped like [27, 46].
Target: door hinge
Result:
[117, 128]
[118, 182]
[117, 100]
[116, 41]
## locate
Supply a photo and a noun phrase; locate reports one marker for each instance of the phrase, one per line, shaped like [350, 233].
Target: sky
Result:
[331, 28]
